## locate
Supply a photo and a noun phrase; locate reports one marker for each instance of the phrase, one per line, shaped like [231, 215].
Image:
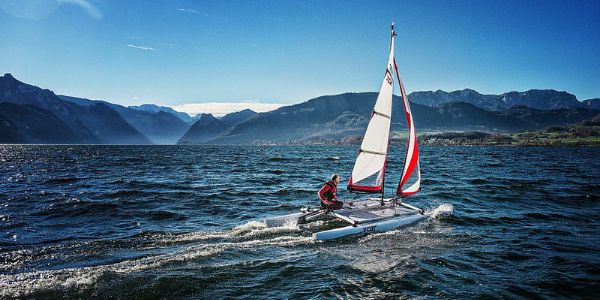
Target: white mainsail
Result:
[373, 149]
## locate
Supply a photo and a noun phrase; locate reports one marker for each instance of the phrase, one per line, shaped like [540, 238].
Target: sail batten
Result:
[373, 152]
[382, 114]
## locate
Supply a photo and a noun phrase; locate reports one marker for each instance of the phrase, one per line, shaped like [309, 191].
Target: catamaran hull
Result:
[381, 226]
[365, 215]
[297, 218]
[291, 219]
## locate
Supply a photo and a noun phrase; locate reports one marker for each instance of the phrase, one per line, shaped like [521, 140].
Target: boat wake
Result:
[250, 229]
[153, 252]
[198, 249]
[405, 246]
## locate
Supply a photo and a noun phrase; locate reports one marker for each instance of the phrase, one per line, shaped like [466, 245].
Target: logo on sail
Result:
[388, 75]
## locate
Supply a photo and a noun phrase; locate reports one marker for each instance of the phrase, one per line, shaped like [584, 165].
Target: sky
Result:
[217, 56]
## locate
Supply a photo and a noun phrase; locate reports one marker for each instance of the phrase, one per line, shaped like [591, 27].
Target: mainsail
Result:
[369, 168]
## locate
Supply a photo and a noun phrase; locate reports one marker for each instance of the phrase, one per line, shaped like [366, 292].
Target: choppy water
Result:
[182, 222]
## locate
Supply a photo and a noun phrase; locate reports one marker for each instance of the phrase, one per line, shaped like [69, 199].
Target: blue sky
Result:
[173, 53]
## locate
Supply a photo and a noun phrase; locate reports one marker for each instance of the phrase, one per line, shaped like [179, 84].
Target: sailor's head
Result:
[335, 178]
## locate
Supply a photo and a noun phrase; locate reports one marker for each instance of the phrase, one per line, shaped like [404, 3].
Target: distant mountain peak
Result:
[592, 103]
[468, 91]
[155, 108]
[208, 127]
[149, 105]
[207, 117]
[8, 82]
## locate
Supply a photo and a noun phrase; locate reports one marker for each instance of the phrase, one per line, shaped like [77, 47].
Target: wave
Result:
[63, 180]
[493, 165]
[275, 171]
[443, 210]
[207, 245]
[89, 225]
[280, 159]
[332, 158]
[478, 181]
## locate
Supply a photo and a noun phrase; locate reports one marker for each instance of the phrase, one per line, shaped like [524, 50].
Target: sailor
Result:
[328, 192]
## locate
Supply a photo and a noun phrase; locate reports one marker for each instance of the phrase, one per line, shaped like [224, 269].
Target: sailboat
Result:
[373, 214]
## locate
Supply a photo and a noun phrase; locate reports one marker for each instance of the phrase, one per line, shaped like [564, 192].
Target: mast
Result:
[368, 173]
[383, 175]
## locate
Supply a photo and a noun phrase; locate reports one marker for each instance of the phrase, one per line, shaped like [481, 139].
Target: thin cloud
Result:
[87, 6]
[188, 10]
[220, 109]
[141, 47]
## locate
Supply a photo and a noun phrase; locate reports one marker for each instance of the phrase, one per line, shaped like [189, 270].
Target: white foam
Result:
[24, 284]
[251, 228]
[442, 210]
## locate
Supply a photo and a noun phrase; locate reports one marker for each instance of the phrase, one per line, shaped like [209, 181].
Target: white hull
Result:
[381, 226]
[365, 216]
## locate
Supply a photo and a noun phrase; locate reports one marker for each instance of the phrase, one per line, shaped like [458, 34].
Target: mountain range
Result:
[155, 108]
[331, 118]
[96, 123]
[29, 114]
[538, 99]
[158, 125]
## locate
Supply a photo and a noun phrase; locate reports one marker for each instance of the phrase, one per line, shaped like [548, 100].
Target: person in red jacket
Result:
[328, 192]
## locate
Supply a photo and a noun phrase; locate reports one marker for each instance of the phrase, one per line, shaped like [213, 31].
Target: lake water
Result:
[183, 222]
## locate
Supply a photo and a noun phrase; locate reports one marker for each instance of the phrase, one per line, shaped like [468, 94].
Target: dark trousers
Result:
[335, 205]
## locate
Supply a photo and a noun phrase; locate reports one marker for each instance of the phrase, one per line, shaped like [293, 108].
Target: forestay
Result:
[369, 169]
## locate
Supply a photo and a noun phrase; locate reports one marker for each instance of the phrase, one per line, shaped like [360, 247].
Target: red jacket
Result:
[328, 193]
